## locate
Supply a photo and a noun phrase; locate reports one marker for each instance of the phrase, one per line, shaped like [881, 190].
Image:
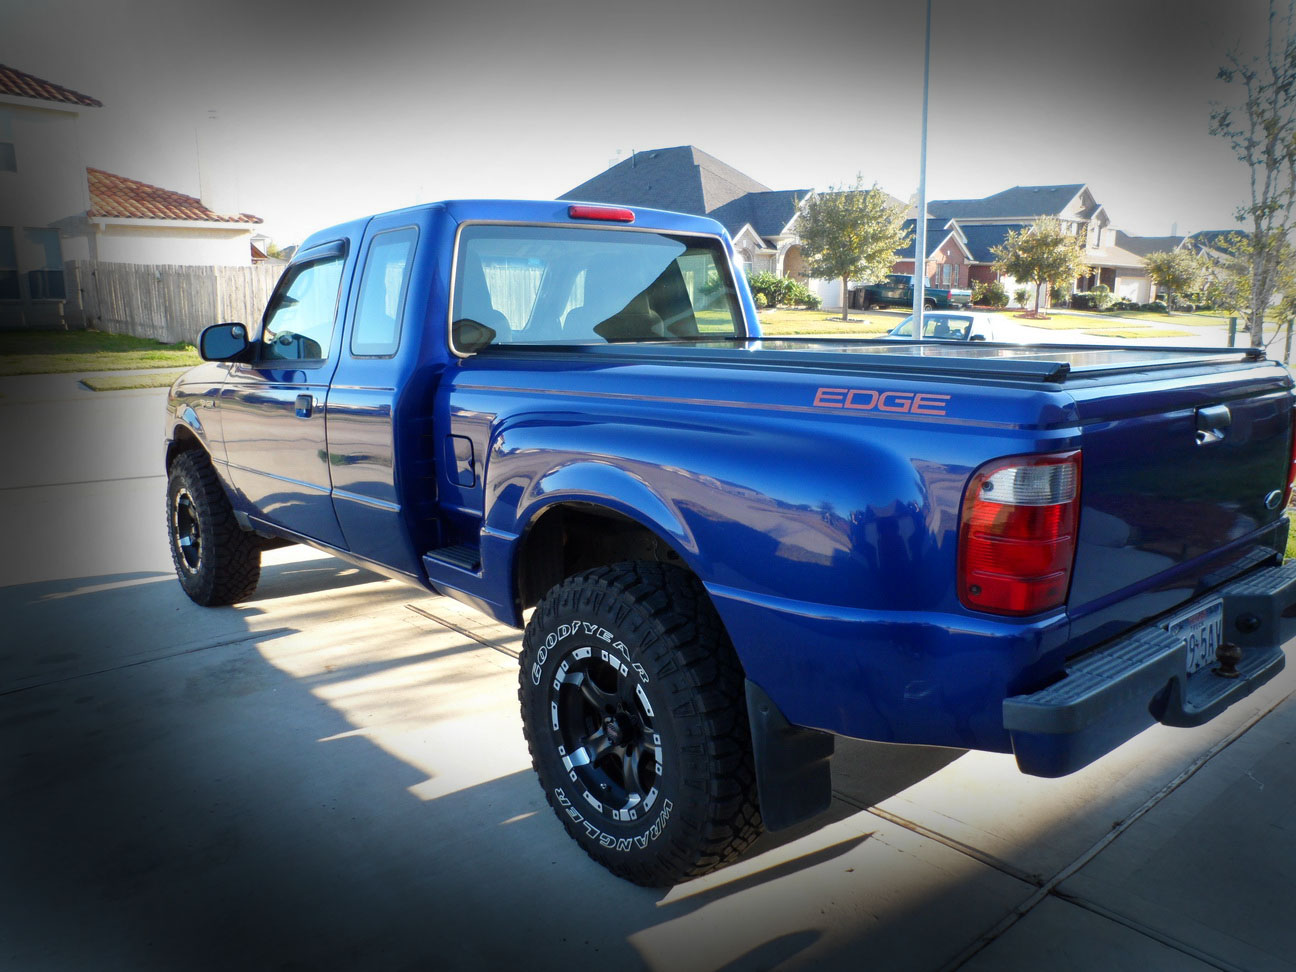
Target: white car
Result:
[967, 326]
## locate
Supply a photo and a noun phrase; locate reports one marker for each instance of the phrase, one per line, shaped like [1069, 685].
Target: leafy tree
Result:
[1175, 271]
[1229, 277]
[851, 233]
[1043, 253]
[1262, 133]
[1021, 295]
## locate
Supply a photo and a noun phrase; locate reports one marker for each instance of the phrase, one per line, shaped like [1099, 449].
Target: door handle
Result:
[1211, 423]
[305, 405]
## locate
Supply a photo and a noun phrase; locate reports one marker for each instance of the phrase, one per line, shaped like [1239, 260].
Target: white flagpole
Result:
[920, 224]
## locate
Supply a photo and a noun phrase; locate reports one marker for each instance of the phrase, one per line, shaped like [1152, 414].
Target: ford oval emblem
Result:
[1273, 499]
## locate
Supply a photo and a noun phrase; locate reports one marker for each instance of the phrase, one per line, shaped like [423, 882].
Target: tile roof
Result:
[116, 197]
[1019, 202]
[23, 85]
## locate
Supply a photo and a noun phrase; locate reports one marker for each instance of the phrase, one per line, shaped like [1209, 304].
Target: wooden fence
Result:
[169, 303]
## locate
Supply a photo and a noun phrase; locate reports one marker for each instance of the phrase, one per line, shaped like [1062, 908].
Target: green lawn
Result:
[151, 379]
[788, 321]
[50, 352]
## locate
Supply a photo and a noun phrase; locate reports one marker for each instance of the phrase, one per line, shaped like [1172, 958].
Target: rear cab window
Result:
[575, 285]
[383, 288]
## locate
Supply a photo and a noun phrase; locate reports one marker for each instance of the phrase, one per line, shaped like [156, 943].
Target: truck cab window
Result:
[376, 332]
[298, 323]
[569, 285]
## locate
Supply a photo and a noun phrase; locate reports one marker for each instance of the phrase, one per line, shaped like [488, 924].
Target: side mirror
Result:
[223, 342]
[471, 336]
[977, 337]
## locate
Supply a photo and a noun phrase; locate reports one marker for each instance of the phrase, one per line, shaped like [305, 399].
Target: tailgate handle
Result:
[1211, 422]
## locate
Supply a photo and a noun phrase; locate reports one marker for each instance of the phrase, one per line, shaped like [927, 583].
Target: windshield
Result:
[951, 327]
[572, 285]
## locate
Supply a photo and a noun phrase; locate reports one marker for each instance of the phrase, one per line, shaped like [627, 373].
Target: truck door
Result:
[273, 406]
[378, 364]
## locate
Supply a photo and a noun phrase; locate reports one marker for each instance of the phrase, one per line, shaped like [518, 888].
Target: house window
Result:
[8, 264]
[46, 281]
[8, 156]
[947, 275]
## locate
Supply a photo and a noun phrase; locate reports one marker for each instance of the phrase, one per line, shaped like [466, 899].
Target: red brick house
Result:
[948, 257]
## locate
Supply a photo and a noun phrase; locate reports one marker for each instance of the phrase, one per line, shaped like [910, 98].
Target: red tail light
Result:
[608, 213]
[1018, 532]
[1291, 468]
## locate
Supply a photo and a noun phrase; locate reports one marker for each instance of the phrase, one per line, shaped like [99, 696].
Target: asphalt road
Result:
[332, 776]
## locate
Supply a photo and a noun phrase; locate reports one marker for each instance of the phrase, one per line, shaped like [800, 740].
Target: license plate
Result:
[1203, 629]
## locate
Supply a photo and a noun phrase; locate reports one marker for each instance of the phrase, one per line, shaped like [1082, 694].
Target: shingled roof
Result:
[982, 236]
[20, 84]
[1143, 245]
[685, 179]
[938, 231]
[767, 212]
[1211, 239]
[117, 197]
[1019, 202]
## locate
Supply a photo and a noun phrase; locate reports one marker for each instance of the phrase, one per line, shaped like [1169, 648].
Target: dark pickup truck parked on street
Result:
[897, 291]
[736, 547]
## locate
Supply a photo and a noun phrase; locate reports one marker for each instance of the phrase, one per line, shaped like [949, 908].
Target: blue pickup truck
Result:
[727, 549]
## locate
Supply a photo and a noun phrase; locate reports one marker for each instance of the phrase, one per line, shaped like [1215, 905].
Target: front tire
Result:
[634, 711]
[215, 561]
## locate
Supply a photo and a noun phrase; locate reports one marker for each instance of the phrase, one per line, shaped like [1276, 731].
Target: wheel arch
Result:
[183, 439]
[567, 535]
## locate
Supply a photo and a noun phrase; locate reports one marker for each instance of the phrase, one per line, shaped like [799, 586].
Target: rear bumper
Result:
[1122, 687]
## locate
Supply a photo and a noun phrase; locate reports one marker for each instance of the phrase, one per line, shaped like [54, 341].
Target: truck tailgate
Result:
[1182, 485]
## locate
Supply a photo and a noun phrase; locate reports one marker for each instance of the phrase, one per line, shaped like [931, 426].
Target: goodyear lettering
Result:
[588, 629]
[869, 400]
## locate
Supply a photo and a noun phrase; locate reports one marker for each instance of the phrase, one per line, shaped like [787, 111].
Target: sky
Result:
[330, 110]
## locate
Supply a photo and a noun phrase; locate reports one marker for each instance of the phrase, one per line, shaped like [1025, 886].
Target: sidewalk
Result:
[1204, 879]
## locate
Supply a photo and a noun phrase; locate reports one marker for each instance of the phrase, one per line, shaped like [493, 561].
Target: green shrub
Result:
[1157, 305]
[760, 299]
[1082, 301]
[1124, 305]
[800, 295]
[773, 287]
[989, 294]
[1022, 295]
[1058, 296]
[1101, 297]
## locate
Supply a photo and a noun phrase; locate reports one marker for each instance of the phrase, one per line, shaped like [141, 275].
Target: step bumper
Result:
[1119, 689]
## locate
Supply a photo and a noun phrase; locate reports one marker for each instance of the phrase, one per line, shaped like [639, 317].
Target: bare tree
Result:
[1262, 132]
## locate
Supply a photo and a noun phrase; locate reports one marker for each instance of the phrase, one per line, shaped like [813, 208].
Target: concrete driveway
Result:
[332, 776]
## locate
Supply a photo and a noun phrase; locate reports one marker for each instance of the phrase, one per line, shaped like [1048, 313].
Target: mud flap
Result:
[793, 765]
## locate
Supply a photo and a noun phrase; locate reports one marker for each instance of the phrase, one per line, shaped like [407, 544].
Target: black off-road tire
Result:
[630, 665]
[215, 561]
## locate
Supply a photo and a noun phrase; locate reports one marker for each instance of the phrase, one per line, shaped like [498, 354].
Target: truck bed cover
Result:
[1042, 363]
